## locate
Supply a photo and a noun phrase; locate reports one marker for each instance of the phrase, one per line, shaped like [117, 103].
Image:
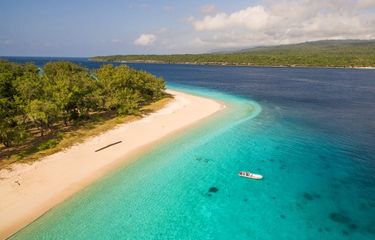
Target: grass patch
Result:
[38, 147]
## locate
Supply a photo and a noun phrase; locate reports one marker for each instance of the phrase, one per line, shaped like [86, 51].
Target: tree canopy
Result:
[62, 93]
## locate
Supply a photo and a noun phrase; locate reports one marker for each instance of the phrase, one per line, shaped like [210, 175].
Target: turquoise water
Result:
[188, 188]
[310, 132]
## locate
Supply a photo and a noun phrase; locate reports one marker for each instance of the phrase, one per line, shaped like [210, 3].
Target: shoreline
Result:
[28, 191]
[223, 64]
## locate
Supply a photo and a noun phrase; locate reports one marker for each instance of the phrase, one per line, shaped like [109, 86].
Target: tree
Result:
[43, 113]
[125, 90]
[106, 84]
[28, 87]
[69, 86]
[11, 130]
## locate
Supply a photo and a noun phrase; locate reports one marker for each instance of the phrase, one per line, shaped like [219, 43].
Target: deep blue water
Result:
[314, 141]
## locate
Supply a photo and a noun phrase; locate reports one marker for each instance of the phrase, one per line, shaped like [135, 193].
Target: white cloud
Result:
[251, 17]
[208, 8]
[145, 40]
[286, 22]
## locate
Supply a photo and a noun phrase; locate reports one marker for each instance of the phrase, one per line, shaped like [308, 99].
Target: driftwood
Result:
[97, 150]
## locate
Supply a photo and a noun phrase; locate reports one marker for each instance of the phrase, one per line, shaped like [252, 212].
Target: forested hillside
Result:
[329, 53]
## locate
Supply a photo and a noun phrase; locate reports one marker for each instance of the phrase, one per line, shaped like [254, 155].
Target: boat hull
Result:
[250, 175]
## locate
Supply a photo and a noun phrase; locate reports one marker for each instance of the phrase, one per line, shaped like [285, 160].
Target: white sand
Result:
[28, 191]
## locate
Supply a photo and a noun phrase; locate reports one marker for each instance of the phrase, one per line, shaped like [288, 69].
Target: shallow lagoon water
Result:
[313, 141]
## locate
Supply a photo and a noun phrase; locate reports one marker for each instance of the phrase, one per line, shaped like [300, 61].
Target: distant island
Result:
[324, 53]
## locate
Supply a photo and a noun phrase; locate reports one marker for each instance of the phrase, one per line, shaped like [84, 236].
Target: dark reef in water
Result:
[282, 167]
[353, 226]
[339, 218]
[345, 220]
[316, 195]
[327, 229]
[345, 233]
[213, 189]
[311, 196]
[201, 159]
[308, 196]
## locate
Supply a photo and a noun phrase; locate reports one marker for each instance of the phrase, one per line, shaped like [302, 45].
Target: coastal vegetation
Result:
[57, 105]
[329, 53]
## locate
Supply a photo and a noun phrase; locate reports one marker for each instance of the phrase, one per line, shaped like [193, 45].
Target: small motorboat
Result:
[250, 175]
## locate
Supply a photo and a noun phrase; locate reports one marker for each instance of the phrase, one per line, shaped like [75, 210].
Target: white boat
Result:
[250, 175]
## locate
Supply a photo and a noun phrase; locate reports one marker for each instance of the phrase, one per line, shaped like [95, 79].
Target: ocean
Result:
[309, 131]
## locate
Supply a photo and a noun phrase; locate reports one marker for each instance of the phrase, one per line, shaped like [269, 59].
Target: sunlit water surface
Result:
[310, 132]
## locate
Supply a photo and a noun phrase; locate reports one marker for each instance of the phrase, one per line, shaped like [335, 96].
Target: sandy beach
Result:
[27, 191]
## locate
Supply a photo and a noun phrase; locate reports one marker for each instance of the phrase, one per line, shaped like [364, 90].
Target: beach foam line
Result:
[29, 190]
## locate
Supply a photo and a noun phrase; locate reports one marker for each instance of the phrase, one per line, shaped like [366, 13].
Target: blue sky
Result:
[92, 27]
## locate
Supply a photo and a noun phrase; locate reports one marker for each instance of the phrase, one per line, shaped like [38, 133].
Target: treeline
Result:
[62, 93]
[333, 53]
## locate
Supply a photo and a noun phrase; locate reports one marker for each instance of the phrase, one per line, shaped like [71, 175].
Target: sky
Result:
[85, 28]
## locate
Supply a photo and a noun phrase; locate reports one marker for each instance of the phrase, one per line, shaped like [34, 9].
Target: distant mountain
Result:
[321, 45]
[324, 53]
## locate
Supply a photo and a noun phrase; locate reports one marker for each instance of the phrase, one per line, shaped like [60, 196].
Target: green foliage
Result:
[125, 90]
[129, 101]
[11, 129]
[65, 92]
[50, 143]
[70, 87]
[43, 113]
[339, 53]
